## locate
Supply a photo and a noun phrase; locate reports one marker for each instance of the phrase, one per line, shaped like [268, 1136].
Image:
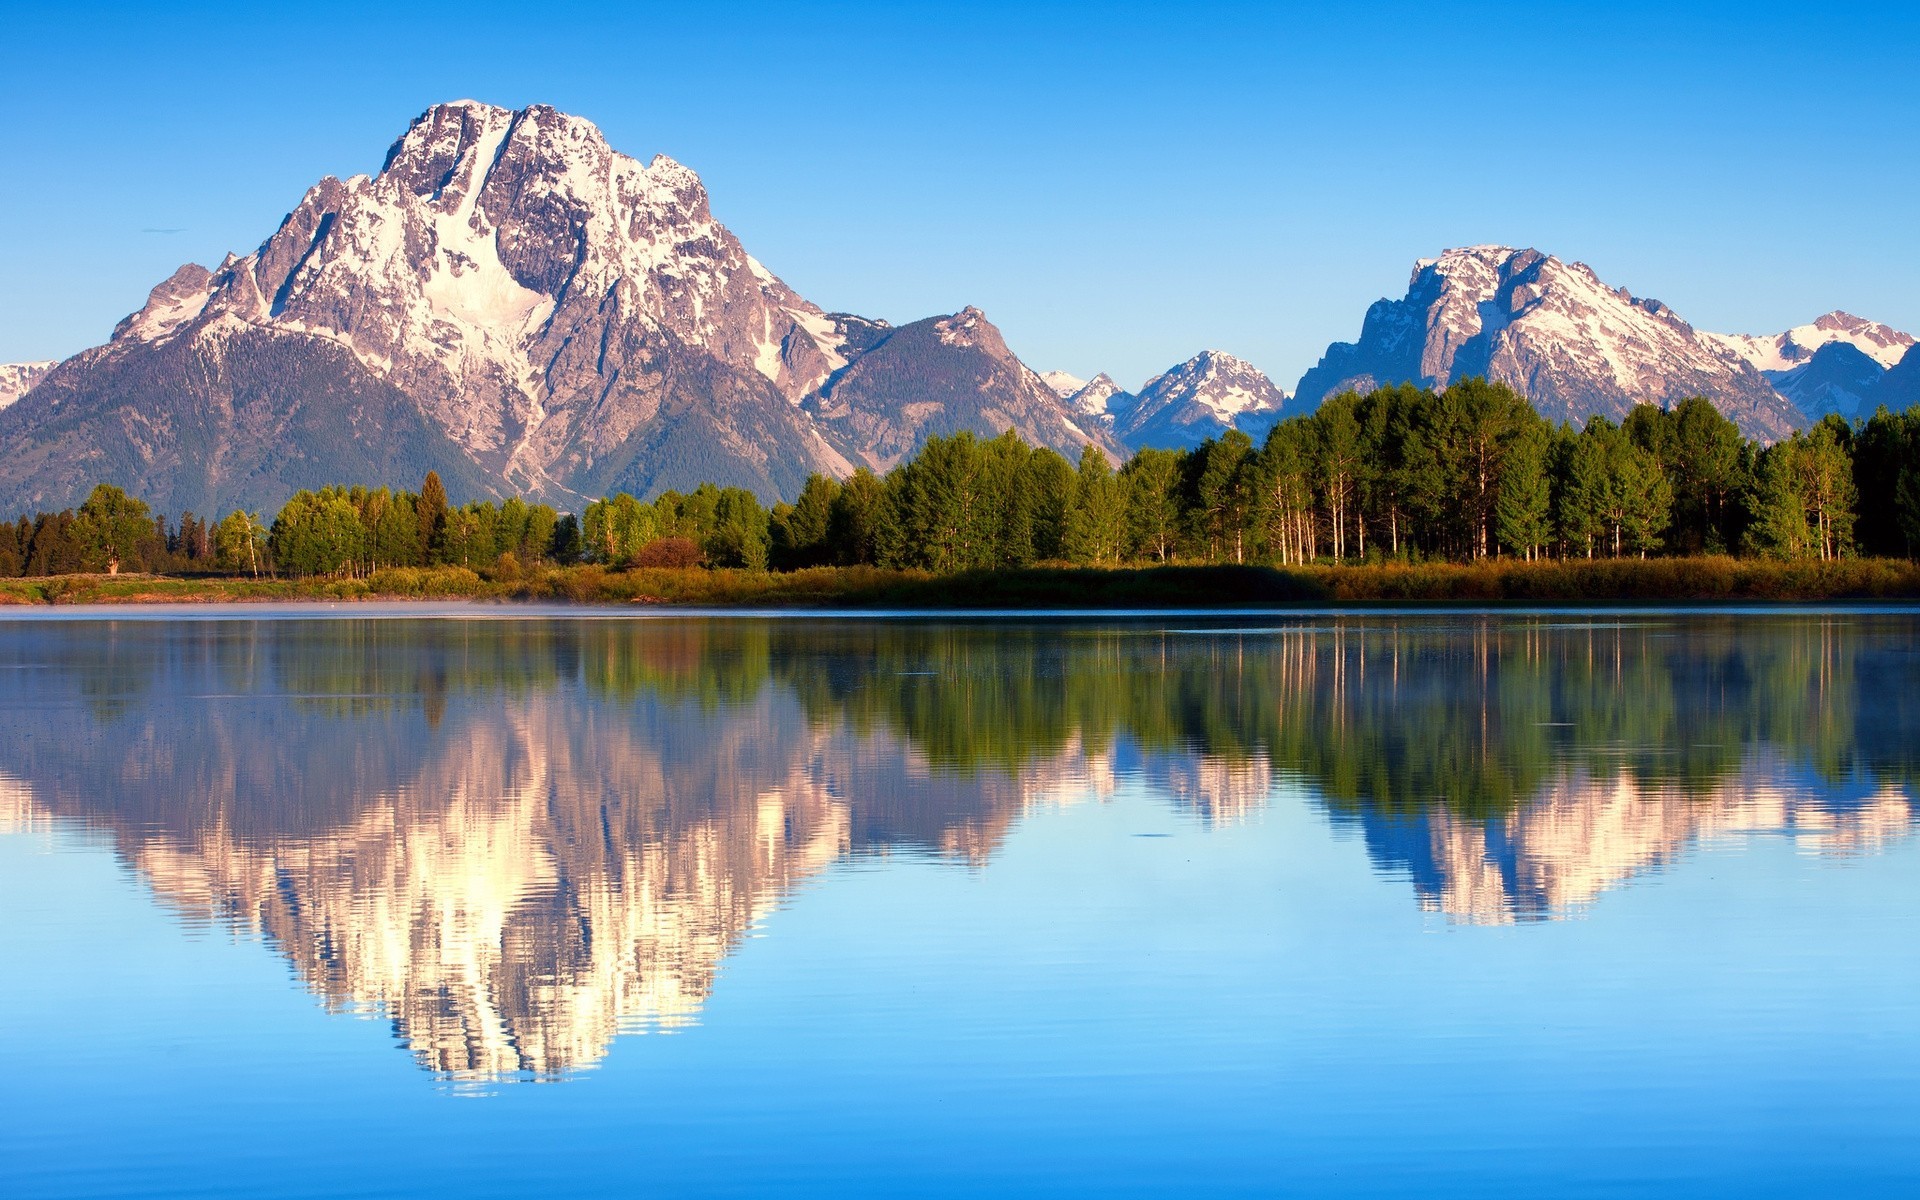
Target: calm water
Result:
[1549, 904]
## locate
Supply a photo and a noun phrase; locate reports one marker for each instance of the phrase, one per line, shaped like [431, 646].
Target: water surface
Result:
[1404, 903]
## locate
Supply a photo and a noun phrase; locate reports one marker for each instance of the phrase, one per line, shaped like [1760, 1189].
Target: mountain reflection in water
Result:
[517, 838]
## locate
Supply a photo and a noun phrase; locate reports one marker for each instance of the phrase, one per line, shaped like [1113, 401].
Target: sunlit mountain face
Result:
[517, 839]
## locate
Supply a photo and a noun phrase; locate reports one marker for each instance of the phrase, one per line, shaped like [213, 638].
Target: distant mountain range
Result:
[514, 304]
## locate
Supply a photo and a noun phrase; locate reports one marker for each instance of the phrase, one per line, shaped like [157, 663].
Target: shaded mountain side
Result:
[686, 419]
[1836, 378]
[269, 414]
[1899, 388]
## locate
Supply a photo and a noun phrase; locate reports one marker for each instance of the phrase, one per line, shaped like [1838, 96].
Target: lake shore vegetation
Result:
[1402, 494]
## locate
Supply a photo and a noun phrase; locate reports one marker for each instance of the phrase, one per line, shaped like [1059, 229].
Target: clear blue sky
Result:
[1118, 186]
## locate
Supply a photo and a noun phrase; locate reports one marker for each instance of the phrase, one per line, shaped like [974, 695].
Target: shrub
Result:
[672, 552]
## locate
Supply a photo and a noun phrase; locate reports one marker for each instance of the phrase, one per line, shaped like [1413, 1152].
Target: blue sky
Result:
[1118, 186]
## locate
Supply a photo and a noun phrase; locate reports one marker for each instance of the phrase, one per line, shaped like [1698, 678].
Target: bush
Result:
[424, 581]
[676, 553]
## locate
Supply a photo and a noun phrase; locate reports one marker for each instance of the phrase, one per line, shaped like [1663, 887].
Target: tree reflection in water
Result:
[517, 838]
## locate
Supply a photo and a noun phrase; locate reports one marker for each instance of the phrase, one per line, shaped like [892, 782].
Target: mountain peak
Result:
[520, 306]
[1202, 397]
[1063, 383]
[1553, 331]
[1784, 351]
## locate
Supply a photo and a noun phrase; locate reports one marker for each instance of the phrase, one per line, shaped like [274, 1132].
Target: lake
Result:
[502, 902]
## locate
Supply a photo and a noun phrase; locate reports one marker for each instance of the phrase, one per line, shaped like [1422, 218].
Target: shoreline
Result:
[1498, 585]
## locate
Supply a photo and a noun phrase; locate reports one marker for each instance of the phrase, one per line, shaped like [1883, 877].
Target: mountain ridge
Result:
[564, 319]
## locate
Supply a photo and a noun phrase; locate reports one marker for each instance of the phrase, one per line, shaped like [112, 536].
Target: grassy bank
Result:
[1686, 579]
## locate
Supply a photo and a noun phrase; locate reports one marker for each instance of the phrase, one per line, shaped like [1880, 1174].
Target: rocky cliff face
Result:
[554, 317]
[1552, 331]
[1201, 398]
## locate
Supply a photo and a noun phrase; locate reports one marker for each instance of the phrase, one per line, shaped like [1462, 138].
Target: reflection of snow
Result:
[1585, 835]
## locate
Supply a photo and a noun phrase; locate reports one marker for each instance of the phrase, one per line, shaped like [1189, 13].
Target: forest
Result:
[1400, 475]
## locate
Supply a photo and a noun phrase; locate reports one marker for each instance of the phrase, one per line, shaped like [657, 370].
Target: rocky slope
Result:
[1554, 332]
[934, 377]
[515, 304]
[1201, 398]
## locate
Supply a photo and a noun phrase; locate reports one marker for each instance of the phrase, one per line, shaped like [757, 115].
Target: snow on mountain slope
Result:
[1785, 351]
[1201, 398]
[16, 379]
[1837, 378]
[1100, 399]
[1551, 330]
[1062, 383]
[568, 320]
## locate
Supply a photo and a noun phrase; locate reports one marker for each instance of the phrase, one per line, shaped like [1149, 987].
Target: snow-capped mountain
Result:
[17, 379]
[1785, 351]
[1063, 383]
[509, 301]
[1555, 333]
[1836, 378]
[1203, 397]
[1100, 399]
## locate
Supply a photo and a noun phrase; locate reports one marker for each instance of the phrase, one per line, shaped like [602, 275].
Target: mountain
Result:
[940, 376]
[1552, 331]
[1899, 388]
[1785, 351]
[1836, 378]
[1063, 383]
[17, 379]
[510, 302]
[1101, 400]
[1201, 398]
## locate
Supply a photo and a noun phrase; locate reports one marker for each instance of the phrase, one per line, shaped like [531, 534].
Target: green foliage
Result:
[1096, 522]
[1402, 474]
[240, 543]
[112, 528]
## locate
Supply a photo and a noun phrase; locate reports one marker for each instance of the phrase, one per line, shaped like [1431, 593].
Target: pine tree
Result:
[431, 509]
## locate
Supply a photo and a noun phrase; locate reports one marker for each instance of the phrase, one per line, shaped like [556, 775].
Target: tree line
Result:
[1399, 474]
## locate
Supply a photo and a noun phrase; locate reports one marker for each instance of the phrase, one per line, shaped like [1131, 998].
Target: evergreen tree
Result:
[1096, 524]
[799, 530]
[1221, 486]
[431, 509]
[851, 520]
[567, 546]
